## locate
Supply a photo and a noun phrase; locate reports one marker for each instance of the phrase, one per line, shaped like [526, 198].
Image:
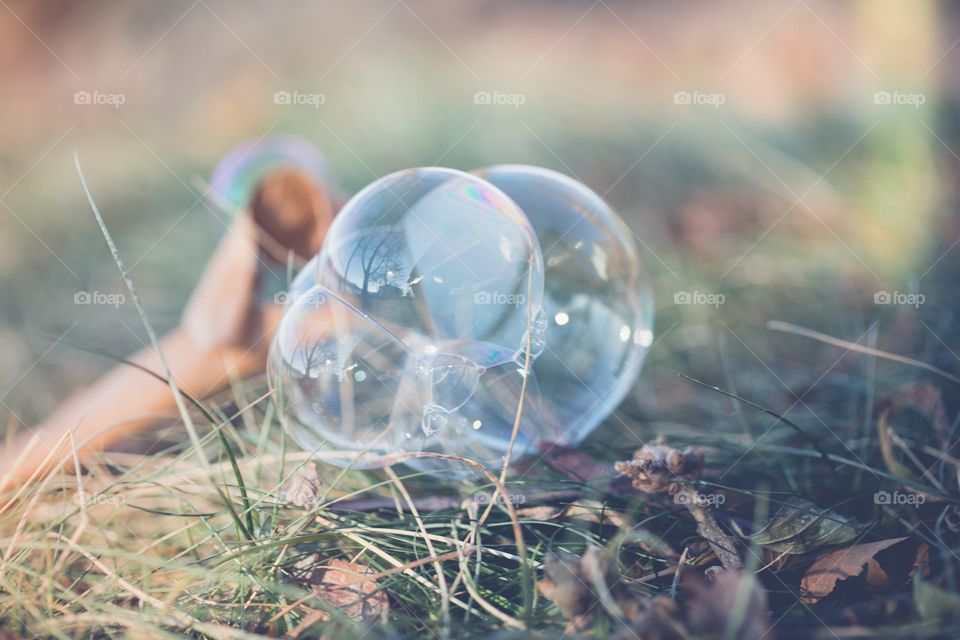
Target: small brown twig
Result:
[658, 469]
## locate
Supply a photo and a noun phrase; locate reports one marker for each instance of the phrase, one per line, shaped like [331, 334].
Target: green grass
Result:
[164, 545]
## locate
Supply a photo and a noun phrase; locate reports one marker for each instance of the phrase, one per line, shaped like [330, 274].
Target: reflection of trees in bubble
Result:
[316, 359]
[377, 255]
[379, 272]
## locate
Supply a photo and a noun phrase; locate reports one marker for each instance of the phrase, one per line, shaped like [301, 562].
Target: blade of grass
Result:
[823, 454]
[151, 334]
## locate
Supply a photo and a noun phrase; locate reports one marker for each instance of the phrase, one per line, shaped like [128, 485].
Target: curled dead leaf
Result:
[886, 563]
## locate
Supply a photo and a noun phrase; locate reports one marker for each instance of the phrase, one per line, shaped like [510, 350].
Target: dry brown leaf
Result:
[303, 488]
[578, 465]
[733, 603]
[542, 512]
[564, 585]
[926, 398]
[587, 587]
[893, 568]
[344, 585]
[883, 570]
[594, 511]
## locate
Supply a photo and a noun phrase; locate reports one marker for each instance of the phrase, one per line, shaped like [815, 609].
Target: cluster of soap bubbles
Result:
[447, 307]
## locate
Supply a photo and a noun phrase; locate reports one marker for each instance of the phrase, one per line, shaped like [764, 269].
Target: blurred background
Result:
[796, 161]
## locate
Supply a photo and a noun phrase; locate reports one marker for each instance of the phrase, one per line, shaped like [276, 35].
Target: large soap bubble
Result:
[414, 328]
[597, 302]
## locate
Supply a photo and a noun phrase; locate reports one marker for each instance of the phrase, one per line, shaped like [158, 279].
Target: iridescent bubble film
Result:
[236, 176]
[597, 304]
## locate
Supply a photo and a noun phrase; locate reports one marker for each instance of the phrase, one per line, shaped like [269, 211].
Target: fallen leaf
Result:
[541, 513]
[801, 526]
[887, 437]
[732, 605]
[578, 465]
[594, 511]
[823, 575]
[587, 587]
[927, 399]
[347, 586]
[563, 584]
[894, 567]
[302, 489]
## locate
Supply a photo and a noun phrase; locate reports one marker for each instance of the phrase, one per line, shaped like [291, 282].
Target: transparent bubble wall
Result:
[411, 329]
[597, 302]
